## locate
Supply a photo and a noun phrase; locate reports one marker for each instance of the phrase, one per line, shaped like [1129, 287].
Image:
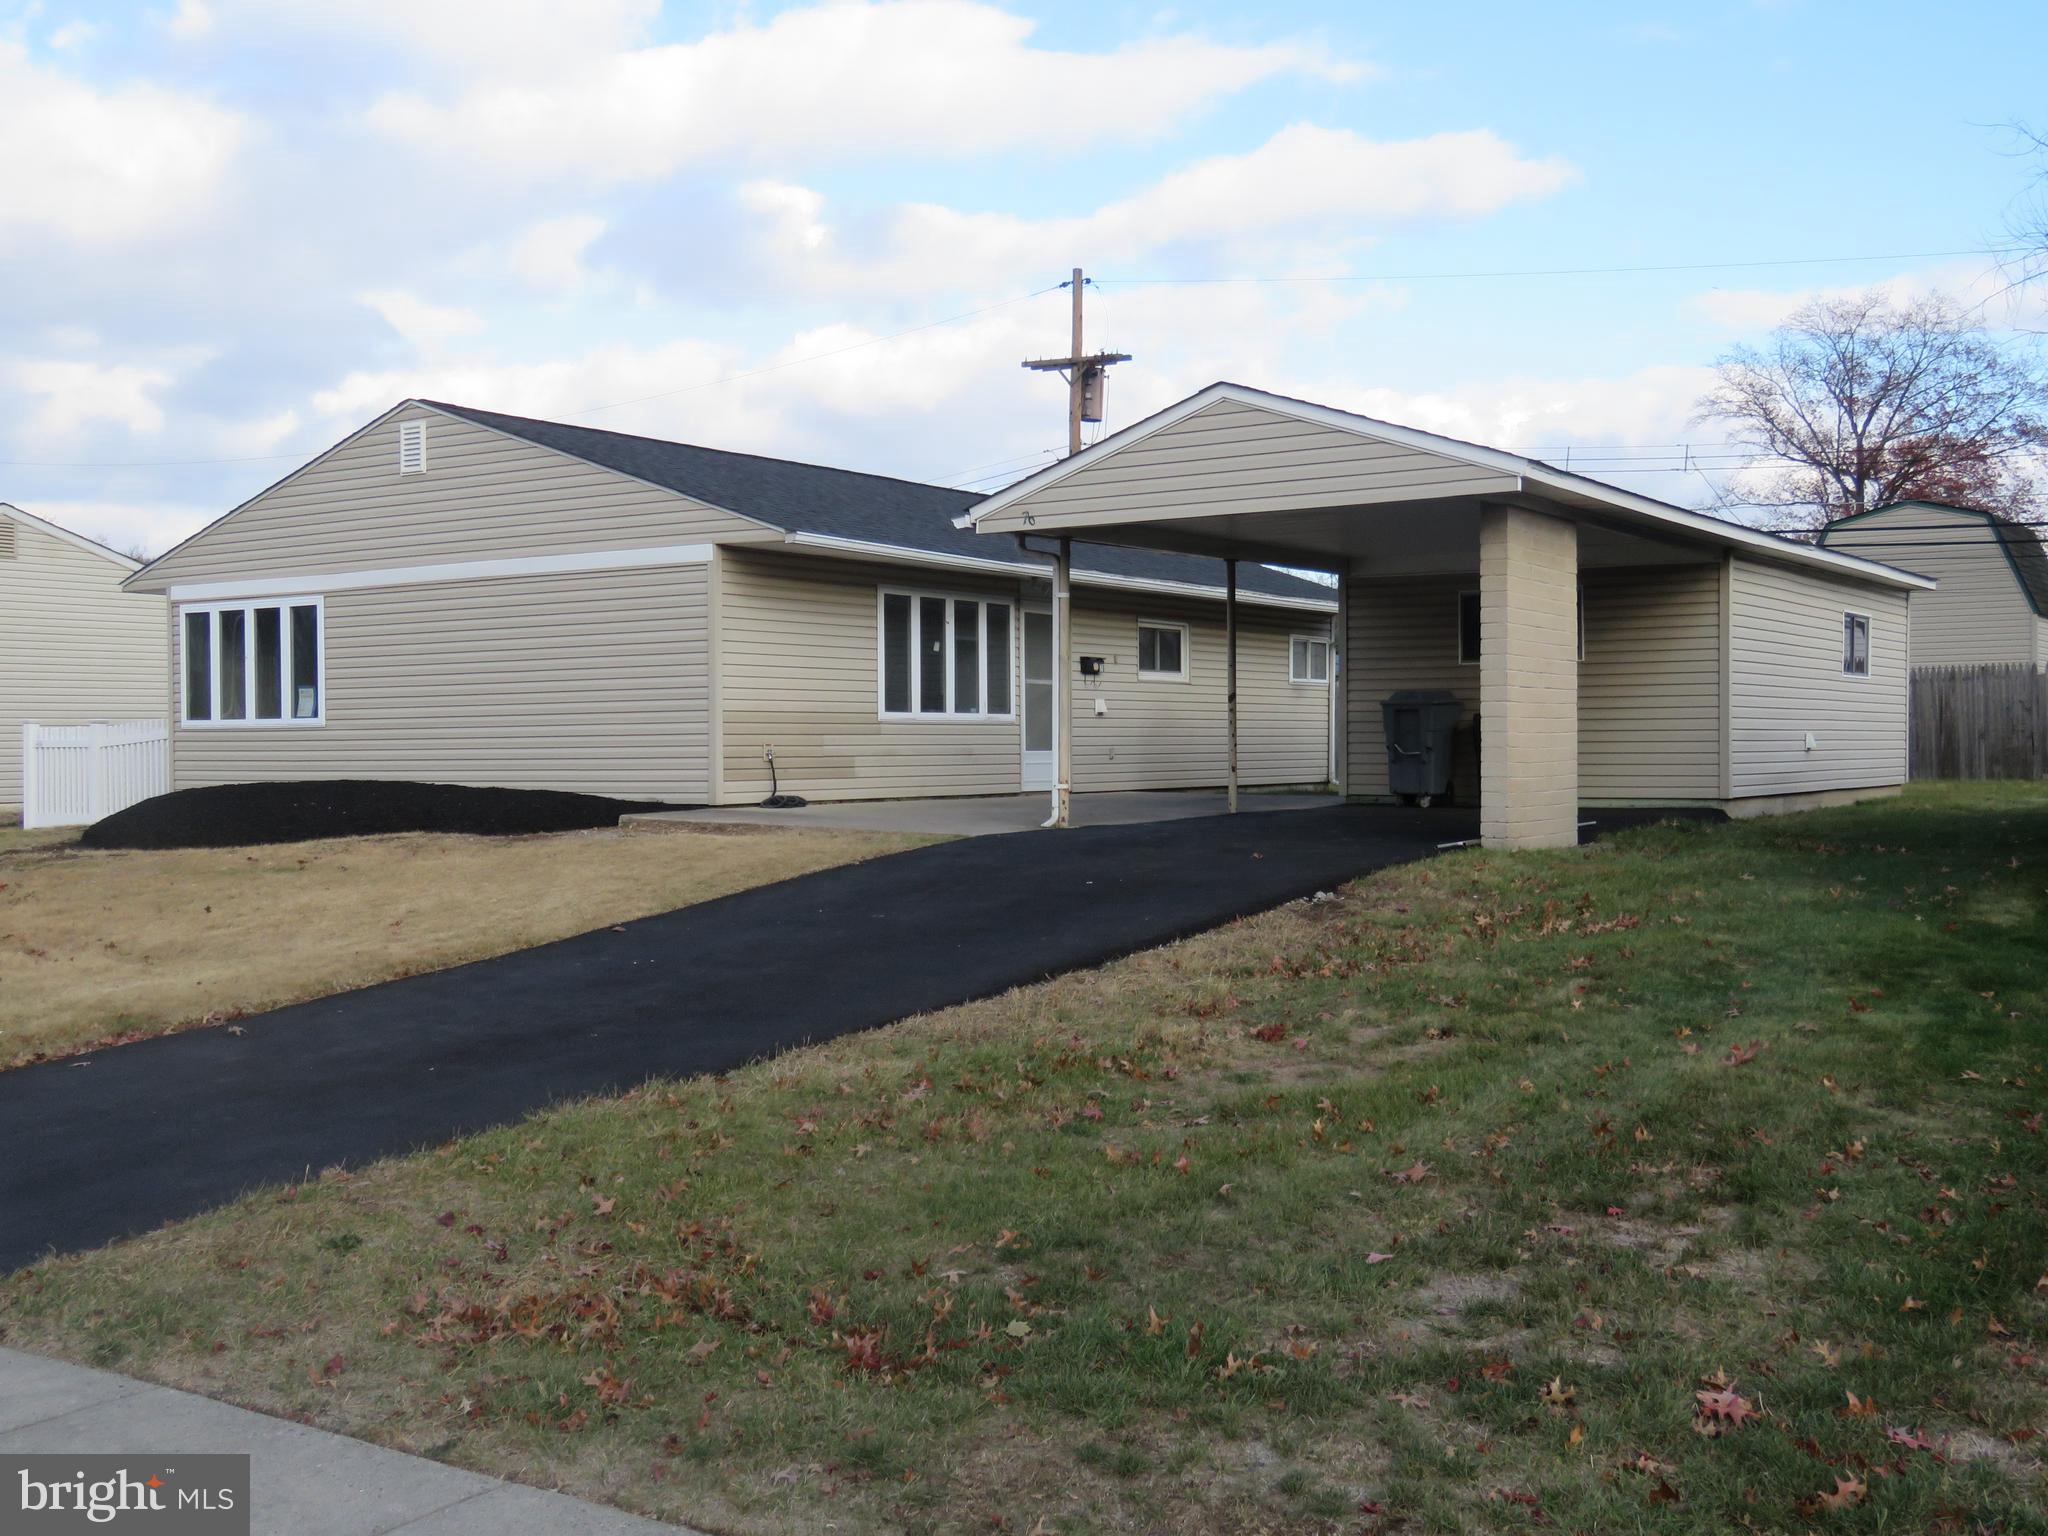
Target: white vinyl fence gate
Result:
[75, 774]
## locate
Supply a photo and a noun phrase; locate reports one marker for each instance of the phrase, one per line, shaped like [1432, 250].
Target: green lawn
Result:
[1687, 1182]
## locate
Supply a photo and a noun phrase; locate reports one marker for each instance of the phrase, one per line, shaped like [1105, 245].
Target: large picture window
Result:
[254, 663]
[944, 657]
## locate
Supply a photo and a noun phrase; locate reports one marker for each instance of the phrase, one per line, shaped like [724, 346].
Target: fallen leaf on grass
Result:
[1556, 1395]
[1721, 1411]
[1742, 1055]
[1847, 1494]
[1857, 1407]
[1412, 1175]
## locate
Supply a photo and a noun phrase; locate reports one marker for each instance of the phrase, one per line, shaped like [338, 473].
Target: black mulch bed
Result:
[232, 815]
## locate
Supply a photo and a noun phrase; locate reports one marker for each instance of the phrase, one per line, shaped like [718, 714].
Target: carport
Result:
[1618, 650]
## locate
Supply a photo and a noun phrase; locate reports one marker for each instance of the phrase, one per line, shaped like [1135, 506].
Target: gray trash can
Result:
[1421, 728]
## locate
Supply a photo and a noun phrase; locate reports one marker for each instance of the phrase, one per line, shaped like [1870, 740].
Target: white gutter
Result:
[899, 554]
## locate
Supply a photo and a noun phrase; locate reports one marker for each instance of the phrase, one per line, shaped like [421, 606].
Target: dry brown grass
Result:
[102, 946]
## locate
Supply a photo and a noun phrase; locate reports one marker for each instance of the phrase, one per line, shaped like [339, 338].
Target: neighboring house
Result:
[462, 596]
[1615, 648]
[1992, 605]
[74, 648]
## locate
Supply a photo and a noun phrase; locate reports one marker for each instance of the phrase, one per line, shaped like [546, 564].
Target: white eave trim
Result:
[75, 540]
[1538, 475]
[454, 570]
[897, 554]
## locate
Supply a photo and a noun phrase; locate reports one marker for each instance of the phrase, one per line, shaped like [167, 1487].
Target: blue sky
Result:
[233, 230]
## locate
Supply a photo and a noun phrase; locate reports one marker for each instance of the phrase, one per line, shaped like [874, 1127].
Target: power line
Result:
[1506, 272]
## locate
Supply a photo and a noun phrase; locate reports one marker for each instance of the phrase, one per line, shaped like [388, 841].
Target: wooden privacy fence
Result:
[1980, 723]
[75, 774]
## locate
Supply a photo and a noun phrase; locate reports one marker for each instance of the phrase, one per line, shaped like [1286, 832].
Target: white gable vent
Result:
[412, 447]
[7, 545]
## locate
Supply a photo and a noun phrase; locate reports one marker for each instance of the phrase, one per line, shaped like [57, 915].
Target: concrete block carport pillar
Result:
[1528, 679]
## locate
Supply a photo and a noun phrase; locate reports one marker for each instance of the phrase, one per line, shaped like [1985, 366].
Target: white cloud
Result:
[1986, 288]
[72, 395]
[193, 19]
[102, 167]
[74, 34]
[141, 528]
[550, 255]
[841, 79]
[422, 323]
[492, 37]
[1304, 199]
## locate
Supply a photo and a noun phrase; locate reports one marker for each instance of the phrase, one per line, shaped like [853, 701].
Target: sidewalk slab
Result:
[303, 1481]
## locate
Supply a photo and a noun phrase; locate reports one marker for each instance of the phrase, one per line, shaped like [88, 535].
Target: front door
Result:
[1038, 699]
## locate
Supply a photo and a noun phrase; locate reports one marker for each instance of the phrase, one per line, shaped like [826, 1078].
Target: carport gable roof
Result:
[1420, 467]
[848, 511]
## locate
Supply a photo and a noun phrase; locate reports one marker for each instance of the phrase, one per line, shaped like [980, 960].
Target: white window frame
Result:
[1328, 653]
[1186, 652]
[247, 607]
[913, 716]
[1850, 615]
[412, 447]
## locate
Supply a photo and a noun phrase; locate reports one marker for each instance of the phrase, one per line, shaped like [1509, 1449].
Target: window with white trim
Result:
[1163, 652]
[260, 663]
[1308, 659]
[412, 447]
[1856, 644]
[944, 657]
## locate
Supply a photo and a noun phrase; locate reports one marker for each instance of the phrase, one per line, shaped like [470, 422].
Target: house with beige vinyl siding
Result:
[1602, 647]
[74, 648]
[457, 595]
[1991, 608]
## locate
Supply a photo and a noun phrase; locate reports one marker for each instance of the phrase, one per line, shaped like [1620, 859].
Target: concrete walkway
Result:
[981, 815]
[305, 1482]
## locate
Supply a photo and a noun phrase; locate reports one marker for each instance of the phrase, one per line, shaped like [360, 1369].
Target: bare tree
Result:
[1860, 402]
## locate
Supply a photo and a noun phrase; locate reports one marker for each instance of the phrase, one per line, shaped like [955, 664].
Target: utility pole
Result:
[1084, 373]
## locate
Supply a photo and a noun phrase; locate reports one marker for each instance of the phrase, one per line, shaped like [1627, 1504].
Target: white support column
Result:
[1063, 692]
[1230, 671]
[1340, 685]
[1528, 679]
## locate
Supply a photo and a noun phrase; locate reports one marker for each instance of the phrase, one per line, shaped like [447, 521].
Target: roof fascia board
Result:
[75, 540]
[898, 554]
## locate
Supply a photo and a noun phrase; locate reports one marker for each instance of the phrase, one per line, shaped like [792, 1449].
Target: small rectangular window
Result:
[305, 662]
[230, 640]
[1308, 659]
[1468, 629]
[412, 447]
[1856, 644]
[198, 666]
[997, 699]
[269, 664]
[966, 658]
[1163, 652]
[931, 656]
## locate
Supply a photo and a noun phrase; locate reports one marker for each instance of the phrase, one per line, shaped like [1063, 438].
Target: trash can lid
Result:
[1421, 696]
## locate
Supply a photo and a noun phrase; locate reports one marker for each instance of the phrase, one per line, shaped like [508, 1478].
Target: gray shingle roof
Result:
[846, 504]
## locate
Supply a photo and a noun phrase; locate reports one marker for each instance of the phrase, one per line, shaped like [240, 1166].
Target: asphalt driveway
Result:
[103, 1146]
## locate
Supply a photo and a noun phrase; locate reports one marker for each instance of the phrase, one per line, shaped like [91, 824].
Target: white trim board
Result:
[75, 540]
[1533, 473]
[454, 570]
[898, 554]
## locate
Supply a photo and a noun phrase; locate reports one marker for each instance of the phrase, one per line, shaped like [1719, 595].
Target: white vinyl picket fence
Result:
[75, 774]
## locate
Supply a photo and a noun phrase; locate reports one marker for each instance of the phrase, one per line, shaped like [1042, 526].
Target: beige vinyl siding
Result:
[1649, 686]
[1159, 734]
[1230, 457]
[74, 648]
[1786, 679]
[597, 682]
[798, 659]
[483, 496]
[798, 671]
[1978, 615]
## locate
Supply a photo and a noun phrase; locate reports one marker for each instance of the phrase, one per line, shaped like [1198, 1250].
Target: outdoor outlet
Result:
[1102, 706]
[767, 754]
[1812, 741]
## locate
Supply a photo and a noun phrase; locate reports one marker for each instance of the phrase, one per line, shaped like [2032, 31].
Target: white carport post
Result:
[1063, 694]
[1528, 679]
[1230, 669]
